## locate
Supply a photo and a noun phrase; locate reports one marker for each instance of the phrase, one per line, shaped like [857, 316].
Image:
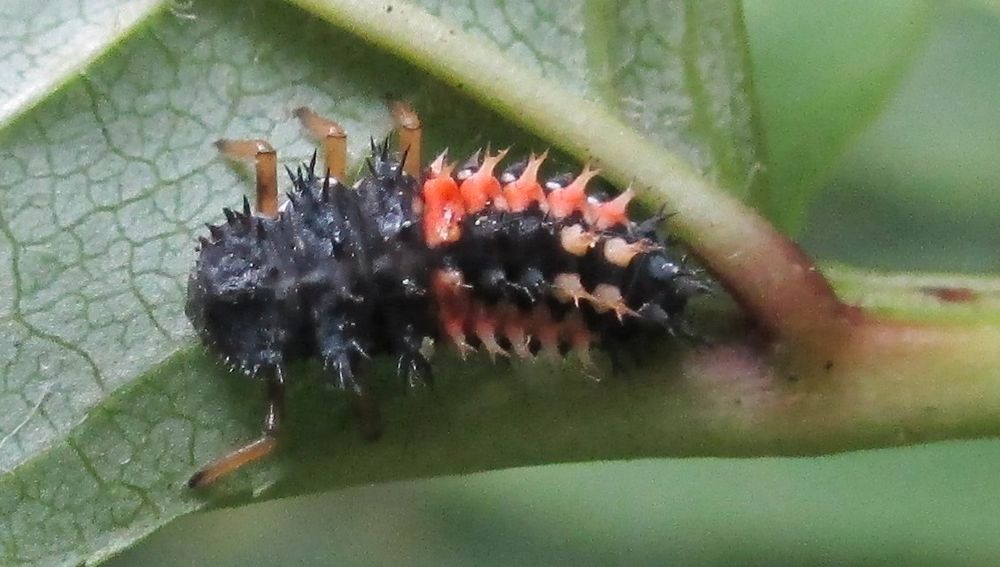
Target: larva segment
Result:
[607, 297]
[443, 207]
[545, 329]
[454, 304]
[576, 239]
[564, 201]
[482, 187]
[265, 169]
[333, 138]
[459, 312]
[620, 252]
[526, 189]
[568, 288]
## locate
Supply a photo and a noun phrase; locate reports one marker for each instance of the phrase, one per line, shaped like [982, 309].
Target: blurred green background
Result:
[908, 182]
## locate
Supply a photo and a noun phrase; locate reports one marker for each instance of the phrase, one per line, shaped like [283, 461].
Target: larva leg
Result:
[409, 133]
[340, 344]
[412, 366]
[266, 169]
[255, 450]
[364, 404]
[333, 137]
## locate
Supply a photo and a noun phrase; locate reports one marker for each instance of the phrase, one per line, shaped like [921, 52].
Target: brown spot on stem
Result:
[951, 294]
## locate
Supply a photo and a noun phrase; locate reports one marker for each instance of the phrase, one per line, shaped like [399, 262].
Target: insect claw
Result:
[463, 347]
[356, 347]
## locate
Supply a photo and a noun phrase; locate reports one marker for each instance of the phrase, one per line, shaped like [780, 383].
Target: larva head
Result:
[242, 296]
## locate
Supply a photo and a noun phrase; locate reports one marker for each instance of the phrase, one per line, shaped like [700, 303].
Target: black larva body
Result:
[346, 273]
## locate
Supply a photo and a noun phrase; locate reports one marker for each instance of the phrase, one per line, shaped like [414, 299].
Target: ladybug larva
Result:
[478, 254]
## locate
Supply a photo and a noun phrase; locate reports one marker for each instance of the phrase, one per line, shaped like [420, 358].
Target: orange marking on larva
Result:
[620, 252]
[568, 287]
[461, 345]
[449, 279]
[576, 333]
[576, 240]
[514, 328]
[566, 200]
[484, 324]
[612, 213]
[453, 304]
[525, 190]
[546, 329]
[607, 297]
[443, 205]
[482, 187]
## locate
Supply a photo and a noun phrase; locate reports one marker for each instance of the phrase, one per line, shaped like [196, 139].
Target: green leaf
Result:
[823, 75]
[106, 401]
[47, 44]
[927, 170]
